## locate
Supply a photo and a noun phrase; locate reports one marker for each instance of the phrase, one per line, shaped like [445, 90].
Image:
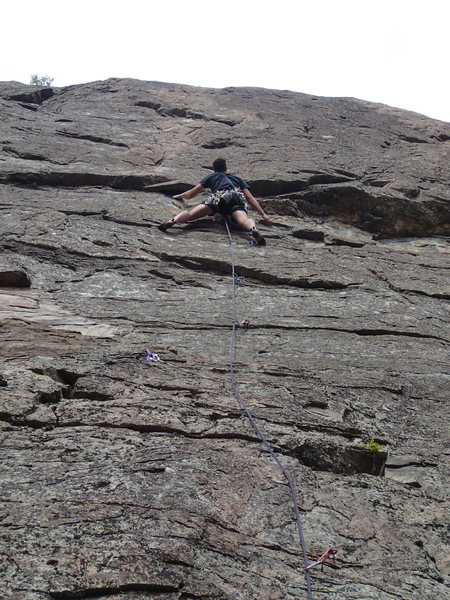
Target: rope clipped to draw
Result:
[259, 433]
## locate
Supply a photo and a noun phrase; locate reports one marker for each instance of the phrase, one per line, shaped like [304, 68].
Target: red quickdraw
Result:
[330, 553]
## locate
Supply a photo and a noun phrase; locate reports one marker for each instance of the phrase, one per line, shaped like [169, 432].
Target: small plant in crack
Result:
[373, 446]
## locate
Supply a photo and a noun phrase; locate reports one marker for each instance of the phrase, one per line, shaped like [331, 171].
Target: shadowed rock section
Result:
[125, 479]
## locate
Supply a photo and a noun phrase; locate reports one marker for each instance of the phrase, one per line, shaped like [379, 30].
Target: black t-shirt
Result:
[222, 181]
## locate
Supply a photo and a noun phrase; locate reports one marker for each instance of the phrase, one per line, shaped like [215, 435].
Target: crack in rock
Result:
[91, 138]
[91, 592]
[210, 264]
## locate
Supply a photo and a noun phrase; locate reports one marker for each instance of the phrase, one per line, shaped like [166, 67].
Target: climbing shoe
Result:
[258, 237]
[166, 225]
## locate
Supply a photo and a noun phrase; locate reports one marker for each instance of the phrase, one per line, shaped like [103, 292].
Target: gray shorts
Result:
[226, 202]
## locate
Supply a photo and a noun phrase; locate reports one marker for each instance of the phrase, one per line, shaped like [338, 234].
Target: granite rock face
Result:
[123, 478]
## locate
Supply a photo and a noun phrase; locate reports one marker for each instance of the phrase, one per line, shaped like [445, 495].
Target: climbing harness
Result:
[330, 553]
[225, 201]
[247, 411]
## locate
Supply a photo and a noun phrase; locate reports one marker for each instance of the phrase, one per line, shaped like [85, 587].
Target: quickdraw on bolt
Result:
[151, 356]
[325, 556]
[245, 324]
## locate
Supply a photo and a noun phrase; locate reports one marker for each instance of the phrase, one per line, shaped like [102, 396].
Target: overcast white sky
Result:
[391, 51]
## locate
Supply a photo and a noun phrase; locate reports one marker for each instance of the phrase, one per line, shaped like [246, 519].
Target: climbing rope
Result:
[259, 433]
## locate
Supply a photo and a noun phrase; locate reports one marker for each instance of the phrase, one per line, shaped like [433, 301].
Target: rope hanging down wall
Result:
[247, 411]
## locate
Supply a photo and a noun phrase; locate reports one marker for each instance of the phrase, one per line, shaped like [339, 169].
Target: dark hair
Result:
[220, 165]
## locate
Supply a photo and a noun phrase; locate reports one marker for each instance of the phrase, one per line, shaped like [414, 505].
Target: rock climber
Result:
[228, 198]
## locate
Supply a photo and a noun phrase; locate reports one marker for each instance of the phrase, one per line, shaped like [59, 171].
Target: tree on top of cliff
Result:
[41, 80]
